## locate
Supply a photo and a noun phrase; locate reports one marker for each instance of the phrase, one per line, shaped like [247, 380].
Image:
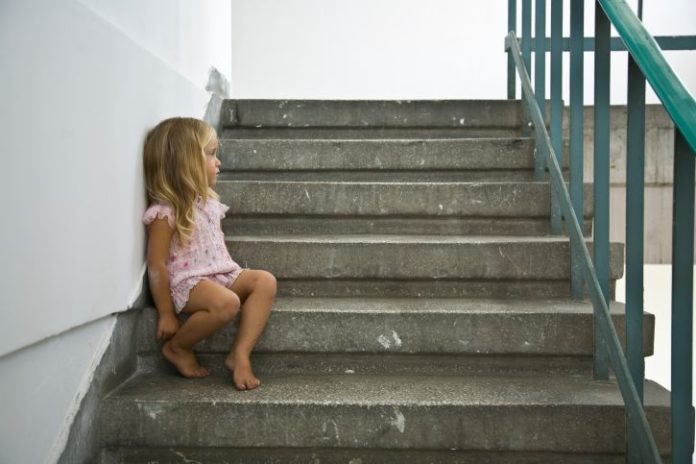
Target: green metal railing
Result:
[645, 61]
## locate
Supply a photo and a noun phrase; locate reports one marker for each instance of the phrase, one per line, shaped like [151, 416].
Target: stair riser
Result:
[341, 331]
[562, 428]
[355, 288]
[266, 364]
[179, 455]
[489, 200]
[284, 155]
[363, 114]
[303, 225]
[369, 133]
[460, 155]
[383, 176]
[411, 260]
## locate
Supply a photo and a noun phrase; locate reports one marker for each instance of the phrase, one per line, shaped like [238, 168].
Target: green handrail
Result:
[646, 62]
[677, 100]
[636, 415]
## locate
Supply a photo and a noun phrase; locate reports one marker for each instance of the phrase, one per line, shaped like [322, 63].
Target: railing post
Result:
[635, 413]
[576, 135]
[556, 102]
[682, 300]
[527, 36]
[512, 26]
[540, 75]
[601, 176]
[635, 184]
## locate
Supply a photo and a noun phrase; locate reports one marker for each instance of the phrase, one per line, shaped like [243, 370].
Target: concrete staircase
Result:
[423, 312]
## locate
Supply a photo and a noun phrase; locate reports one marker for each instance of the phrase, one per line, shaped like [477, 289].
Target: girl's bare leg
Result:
[256, 289]
[210, 306]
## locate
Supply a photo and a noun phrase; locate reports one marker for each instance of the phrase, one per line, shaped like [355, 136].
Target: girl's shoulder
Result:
[216, 208]
[160, 211]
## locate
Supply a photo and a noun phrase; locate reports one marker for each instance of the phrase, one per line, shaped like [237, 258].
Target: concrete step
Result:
[305, 225]
[473, 154]
[414, 266]
[426, 266]
[370, 132]
[372, 113]
[469, 159]
[445, 413]
[383, 176]
[439, 336]
[183, 455]
[450, 208]
[379, 199]
[393, 364]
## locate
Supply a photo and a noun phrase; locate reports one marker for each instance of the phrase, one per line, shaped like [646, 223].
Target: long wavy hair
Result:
[175, 168]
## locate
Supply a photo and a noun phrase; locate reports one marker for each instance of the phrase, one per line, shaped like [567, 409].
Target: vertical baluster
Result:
[540, 76]
[556, 102]
[576, 134]
[601, 176]
[527, 38]
[512, 26]
[635, 172]
[682, 299]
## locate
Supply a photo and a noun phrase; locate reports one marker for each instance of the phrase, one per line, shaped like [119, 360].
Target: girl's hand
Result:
[167, 326]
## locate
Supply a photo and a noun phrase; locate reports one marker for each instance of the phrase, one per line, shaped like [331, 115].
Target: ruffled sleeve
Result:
[219, 209]
[159, 211]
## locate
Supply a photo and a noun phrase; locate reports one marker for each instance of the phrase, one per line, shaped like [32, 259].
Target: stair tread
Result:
[227, 177]
[428, 326]
[395, 390]
[407, 239]
[225, 137]
[437, 305]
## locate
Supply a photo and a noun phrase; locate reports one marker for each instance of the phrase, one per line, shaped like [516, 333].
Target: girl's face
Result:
[212, 163]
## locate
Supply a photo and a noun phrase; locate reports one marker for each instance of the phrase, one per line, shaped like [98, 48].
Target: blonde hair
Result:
[175, 168]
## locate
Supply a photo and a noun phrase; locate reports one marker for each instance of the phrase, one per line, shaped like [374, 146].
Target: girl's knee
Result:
[267, 283]
[226, 308]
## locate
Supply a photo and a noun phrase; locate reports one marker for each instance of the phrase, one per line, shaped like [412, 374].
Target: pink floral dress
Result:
[204, 257]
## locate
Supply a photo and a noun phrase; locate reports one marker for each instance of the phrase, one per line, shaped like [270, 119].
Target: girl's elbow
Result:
[157, 272]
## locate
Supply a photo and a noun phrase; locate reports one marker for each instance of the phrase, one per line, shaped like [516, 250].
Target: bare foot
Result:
[242, 375]
[184, 361]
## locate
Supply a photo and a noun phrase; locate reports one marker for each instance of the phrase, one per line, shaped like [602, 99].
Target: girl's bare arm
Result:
[159, 239]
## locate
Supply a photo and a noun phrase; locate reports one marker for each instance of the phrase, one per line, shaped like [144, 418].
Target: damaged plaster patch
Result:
[326, 432]
[397, 340]
[399, 421]
[185, 459]
[384, 341]
[387, 342]
[152, 410]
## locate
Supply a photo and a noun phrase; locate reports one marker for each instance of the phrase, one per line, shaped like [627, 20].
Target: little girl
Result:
[189, 267]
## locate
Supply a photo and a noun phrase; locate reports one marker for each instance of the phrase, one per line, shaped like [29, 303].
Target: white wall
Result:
[41, 386]
[373, 49]
[80, 83]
